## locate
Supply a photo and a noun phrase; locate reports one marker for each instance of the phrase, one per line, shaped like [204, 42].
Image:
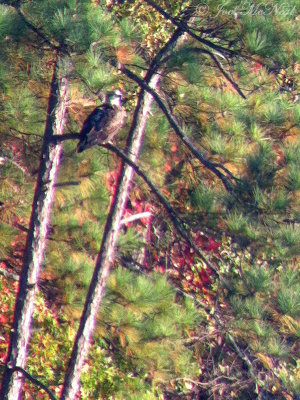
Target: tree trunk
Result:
[106, 253]
[36, 239]
[112, 228]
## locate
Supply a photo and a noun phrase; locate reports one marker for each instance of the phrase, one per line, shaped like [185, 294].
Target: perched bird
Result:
[104, 123]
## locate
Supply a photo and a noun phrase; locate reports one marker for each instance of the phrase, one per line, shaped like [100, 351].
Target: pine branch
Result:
[208, 164]
[34, 29]
[185, 28]
[221, 69]
[17, 5]
[139, 268]
[177, 222]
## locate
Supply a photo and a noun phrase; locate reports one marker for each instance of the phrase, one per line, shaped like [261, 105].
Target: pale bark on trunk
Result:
[38, 227]
[112, 228]
[106, 253]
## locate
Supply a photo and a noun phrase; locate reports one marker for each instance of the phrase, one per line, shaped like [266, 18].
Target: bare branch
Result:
[135, 217]
[67, 136]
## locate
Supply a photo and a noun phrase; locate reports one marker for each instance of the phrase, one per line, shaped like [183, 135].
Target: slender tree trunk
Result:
[112, 228]
[106, 253]
[36, 239]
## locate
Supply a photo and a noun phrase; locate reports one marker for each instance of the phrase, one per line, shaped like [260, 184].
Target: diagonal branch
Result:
[177, 222]
[35, 381]
[208, 164]
[16, 5]
[221, 69]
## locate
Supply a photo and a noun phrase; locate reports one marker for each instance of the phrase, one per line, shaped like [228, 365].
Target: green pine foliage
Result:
[147, 337]
[150, 341]
[147, 329]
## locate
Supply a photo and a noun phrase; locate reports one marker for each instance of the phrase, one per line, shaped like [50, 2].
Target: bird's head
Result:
[115, 97]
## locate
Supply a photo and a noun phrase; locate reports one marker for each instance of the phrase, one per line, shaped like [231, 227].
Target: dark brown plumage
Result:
[104, 123]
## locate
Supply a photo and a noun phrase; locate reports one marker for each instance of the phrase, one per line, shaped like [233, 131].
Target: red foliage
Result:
[168, 166]
[3, 319]
[256, 66]
[180, 260]
[174, 148]
[183, 264]
[207, 243]
[111, 181]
